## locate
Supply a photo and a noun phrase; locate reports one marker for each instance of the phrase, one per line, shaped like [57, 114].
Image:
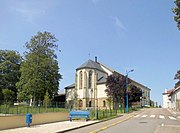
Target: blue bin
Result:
[28, 119]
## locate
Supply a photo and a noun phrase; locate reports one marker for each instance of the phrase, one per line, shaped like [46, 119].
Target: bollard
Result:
[28, 119]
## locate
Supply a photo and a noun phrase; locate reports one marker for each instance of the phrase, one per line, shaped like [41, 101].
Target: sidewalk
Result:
[61, 126]
[50, 128]
[174, 113]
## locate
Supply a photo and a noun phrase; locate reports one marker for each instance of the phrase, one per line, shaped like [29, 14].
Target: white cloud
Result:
[28, 14]
[30, 10]
[119, 24]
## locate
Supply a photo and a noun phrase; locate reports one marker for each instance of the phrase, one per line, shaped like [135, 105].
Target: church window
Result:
[85, 79]
[80, 103]
[90, 79]
[80, 80]
[90, 104]
[104, 103]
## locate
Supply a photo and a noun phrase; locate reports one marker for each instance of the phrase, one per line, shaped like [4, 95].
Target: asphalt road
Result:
[151, 120]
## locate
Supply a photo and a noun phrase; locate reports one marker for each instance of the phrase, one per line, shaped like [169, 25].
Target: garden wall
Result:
[7, 122]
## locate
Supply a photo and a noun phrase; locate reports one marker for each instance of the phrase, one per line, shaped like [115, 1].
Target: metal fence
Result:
[24, 108]
[101, 114]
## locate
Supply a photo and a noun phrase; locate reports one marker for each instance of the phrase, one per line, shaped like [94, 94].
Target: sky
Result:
[123, 34]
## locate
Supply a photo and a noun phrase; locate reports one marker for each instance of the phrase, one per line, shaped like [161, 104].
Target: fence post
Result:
[97, 113]
[39, 109]
[6, 109]
[27, 109]
[17, 110]
[53, 107]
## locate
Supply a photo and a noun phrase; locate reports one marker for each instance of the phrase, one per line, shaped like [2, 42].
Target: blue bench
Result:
[79, 114]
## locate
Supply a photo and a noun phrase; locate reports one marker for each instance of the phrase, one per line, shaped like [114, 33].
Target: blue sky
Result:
[123, 34]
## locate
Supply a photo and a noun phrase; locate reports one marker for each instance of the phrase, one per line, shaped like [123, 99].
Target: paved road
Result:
[151, 121]
[155, 120]
[100, 125]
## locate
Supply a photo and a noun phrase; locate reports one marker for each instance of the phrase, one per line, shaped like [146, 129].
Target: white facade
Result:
[175, 99]
[166, 100]
[171, 99]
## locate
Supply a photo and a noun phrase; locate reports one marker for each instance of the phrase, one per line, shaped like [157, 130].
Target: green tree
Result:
[116, 88]
[8, 95]
[9, 71]
[76, 101]
[39, 71]
[46, 99]
[177, 77]
[176, 11]
[109, 102]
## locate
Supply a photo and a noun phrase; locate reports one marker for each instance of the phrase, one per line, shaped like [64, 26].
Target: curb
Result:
[131, 115]
[67, 130]
[114, 124]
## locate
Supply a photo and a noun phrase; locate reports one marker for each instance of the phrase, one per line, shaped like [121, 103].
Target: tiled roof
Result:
[91, 64]
[70, 86]
[173, 91]
[169, 91]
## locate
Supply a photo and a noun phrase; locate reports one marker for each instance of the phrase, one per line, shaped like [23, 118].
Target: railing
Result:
[103, 113]
[18, 109]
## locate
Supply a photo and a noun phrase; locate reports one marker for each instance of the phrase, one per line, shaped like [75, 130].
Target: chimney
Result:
[165, 90]
[96, 59]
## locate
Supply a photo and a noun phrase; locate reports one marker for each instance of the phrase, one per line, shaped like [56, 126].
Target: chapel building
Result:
[90, 85]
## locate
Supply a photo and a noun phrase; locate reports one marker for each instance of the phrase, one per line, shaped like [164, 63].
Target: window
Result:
[104, 103]
[80, 80]
[90, 79]
[85, 80]
[80, 103]
[90, 104]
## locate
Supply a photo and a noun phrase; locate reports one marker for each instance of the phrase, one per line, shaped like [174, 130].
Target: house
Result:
[90, 85]
[171, 99]
[166, 99]
[175, 99]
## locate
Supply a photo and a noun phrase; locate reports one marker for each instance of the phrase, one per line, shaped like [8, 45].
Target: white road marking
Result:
[136, 116]
[172, 118]
[152, 116]
[144, 116]
[161, 117]
[174, 112]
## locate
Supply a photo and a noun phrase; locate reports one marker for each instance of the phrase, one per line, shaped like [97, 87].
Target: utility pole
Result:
[127, 100]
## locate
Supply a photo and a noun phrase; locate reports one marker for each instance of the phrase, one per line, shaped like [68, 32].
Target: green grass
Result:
[103, 114]
[131, 109]
[20, 110]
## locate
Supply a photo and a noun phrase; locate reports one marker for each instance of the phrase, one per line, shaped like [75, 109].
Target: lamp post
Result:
[127, 107]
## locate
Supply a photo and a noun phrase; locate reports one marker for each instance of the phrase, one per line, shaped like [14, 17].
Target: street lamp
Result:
[127, 107]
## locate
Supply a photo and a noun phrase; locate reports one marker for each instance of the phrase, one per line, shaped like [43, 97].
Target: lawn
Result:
[21, 110]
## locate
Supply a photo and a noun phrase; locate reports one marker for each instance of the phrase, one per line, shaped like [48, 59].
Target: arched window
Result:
[90, 104]
[80, 79]
[85, 79]
[80, 103]
[104, 103]
[90, 79]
